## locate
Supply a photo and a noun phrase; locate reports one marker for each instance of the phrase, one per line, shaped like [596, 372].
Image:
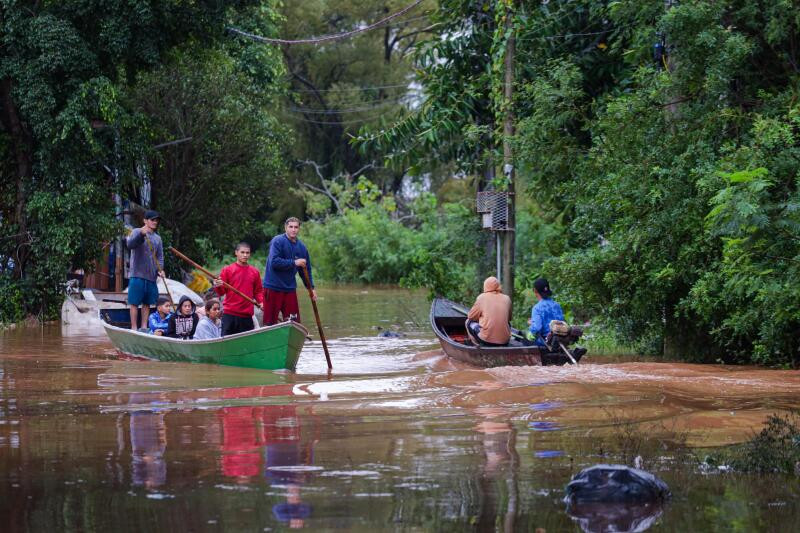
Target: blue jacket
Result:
[155, 322]
[541, 315]
[280, 271]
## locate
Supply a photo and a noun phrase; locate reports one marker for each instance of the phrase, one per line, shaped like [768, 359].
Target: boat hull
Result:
[269, 348]
[447, 322]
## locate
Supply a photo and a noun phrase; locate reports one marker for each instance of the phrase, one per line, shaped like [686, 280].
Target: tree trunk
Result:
[508, 161]
[21, 145]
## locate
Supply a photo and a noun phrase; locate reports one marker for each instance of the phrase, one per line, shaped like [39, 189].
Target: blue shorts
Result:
[142, 292]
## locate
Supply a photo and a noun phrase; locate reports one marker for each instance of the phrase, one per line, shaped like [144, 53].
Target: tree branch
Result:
[324, 190]
[400, 36]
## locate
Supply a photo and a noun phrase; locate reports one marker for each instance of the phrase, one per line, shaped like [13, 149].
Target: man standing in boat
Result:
[287, 257]
[147, 263]
[237, 314]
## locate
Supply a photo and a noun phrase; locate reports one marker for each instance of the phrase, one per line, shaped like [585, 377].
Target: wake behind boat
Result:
[268, 348]
[448, 323]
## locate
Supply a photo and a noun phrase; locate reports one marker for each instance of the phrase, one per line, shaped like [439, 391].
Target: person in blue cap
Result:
[545, 310]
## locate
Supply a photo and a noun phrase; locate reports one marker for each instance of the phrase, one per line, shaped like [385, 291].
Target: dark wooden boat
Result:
[448, 323]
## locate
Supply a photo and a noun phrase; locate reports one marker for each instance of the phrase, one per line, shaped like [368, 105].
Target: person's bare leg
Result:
[134, 316]
[145, 315]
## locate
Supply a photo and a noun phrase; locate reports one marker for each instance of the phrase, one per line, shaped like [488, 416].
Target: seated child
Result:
[209, 325]
[183, 323]
[158, 321]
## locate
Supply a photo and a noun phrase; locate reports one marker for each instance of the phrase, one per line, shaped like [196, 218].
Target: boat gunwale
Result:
[200, 342]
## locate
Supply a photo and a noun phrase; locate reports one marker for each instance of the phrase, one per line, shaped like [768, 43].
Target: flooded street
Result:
[398, 438]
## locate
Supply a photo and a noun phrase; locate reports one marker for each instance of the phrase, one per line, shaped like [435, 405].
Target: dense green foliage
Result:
[206, 96]
[659, 194]
[367, 243]
[668, 185]
[676, 234]
[336, 88]
[71, 135]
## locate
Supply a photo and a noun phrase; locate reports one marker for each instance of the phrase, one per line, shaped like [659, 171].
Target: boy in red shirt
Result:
[237, 315]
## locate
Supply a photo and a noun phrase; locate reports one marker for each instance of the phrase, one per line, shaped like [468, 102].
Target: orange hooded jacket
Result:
[492, 310]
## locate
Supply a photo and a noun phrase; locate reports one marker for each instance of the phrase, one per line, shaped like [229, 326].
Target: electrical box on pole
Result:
[495, 209]
[493, 206]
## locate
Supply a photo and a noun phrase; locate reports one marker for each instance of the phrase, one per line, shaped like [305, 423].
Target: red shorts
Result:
[284, 303]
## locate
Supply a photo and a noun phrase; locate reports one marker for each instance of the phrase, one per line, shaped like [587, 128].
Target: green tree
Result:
[340, 86]
[66, 139]
[225, 167]
[646, 162]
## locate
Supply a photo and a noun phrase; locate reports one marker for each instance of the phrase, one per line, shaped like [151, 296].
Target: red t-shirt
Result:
[245, 278]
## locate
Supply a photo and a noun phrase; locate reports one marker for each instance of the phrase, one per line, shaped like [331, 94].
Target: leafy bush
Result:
[367, 243]
[12, 305]
[447, 258]
[775, 449]
[364, 245]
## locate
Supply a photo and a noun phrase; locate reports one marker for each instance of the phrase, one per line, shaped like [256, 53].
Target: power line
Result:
[317, 111]
[324, 38]
[335, 122]
[350, 89]
[413, 19]
[568, 35]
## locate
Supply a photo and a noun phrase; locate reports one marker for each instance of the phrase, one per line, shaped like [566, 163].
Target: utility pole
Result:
[669, 62]
[674, 339]
[508, 158]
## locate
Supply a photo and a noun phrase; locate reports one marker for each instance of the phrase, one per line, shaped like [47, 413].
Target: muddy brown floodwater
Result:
[397, 439]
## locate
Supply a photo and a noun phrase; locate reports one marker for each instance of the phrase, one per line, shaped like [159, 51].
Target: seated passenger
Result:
[209, 325]
[158, 322]
[545, 310]
[492, 311]
[183, 323]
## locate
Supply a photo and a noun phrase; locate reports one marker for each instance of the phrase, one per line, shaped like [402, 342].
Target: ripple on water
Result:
[544, 454]
[544, 425]
[363, 355]
[705, 379]
[352, 473]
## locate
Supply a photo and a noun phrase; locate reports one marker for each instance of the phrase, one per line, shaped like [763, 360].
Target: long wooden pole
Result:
[213, 277]
[316, 316]
[155, 259]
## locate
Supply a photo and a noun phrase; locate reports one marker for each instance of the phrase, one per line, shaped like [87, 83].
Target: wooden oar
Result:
[213, 277]
[316, 315]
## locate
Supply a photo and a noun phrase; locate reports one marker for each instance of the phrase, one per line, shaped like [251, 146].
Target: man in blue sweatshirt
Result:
[287, 257]
[147, 263]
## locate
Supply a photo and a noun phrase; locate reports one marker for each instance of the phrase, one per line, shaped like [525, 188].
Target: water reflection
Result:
[148, 444]
[391, 442]
[617, 518]
[499, 440]
[274, 433]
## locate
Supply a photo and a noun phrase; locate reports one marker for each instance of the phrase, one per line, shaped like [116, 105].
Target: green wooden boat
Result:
[269, 348]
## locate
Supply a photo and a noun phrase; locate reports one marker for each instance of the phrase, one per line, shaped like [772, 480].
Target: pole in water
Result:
[316, 316]
[163, 278]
